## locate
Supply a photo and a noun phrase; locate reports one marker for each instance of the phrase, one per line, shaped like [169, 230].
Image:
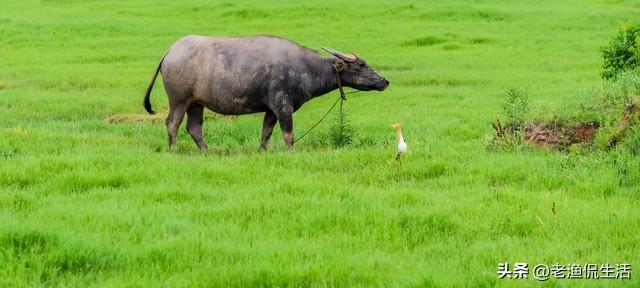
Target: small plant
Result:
[319, 140]
[510, 133]
[505, 138]
[341, 133]
[623, 52]
[516, 109]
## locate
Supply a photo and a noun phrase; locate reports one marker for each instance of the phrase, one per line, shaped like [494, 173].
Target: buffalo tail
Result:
[147, 103]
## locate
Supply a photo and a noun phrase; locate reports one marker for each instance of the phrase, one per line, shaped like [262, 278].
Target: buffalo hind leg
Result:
[176, 113]
[269, 122]
[195, 118]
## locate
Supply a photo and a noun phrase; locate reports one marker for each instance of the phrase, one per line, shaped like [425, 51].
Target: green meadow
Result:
[88, 202]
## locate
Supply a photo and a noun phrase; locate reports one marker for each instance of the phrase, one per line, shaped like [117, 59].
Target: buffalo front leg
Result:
[286, 126]
[195, 118]
[269, 122]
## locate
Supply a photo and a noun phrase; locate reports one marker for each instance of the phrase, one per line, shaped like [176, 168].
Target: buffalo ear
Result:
[339, 65]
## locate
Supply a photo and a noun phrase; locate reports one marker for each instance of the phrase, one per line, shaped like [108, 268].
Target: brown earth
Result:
[547, 135]
[544, 135]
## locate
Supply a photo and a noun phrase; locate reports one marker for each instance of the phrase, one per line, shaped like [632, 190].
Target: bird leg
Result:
[399, 159]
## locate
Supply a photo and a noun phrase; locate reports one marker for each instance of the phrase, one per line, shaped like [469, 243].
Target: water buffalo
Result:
[242, 75]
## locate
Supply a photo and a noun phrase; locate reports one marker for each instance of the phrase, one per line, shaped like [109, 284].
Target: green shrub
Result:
[509, 134]
[516, 109]
[341, 133]
[623, 52]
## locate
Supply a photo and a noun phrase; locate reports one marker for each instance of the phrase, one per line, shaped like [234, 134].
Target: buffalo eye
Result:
[361, 65]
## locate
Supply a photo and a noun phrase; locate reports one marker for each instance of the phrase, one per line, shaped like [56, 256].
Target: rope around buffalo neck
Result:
[342, 98]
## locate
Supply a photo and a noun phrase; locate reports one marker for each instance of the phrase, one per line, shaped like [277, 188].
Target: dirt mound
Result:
[548, 135]
[545, 135]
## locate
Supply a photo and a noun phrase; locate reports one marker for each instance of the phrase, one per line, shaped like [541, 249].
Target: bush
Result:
[623, 52]
[516, 109]
[509, 135]
[341, 133]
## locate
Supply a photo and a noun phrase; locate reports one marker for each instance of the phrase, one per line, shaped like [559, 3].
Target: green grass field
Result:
[84, 202]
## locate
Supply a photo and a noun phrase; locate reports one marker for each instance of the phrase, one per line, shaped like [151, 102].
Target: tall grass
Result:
[85, 202]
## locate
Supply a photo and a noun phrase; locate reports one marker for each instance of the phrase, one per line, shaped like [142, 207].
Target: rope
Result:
[317, 123]
[342, 98]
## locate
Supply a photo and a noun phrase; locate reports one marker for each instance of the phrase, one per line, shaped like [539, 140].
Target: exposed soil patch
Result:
[545, 135]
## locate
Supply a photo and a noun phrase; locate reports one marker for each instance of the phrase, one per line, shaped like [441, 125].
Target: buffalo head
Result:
[355, 73]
